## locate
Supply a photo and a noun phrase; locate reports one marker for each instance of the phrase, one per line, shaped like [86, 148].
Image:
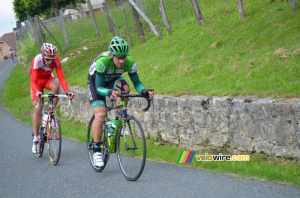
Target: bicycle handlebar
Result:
[51, 95]
[127, 95]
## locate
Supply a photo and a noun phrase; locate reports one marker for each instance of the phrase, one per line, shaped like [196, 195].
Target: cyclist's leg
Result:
[98, 106]
[97, 126]
[97, 131]
[121, 85]
[53, 84]
[36, 119]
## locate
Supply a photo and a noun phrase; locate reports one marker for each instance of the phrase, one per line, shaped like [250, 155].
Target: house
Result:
[7, 41]
[82, 10]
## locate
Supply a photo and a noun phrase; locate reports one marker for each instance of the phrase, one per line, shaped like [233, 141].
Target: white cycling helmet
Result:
[48, 49]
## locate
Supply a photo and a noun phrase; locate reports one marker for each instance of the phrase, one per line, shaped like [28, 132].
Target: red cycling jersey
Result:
[41, 75]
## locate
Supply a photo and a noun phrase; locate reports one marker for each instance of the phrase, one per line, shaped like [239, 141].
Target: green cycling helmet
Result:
[118, 46]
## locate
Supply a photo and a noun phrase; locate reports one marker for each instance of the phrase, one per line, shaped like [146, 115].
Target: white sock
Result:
[35, 139]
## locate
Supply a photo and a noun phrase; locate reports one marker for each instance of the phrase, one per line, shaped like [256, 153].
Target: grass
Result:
[226, 56]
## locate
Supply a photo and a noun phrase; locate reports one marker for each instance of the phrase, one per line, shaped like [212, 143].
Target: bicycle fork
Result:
[132, 133]
[52, 119]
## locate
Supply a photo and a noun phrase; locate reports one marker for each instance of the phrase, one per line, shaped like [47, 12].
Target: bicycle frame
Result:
[122, 119]
[53, 134]
[128, 140]
[112, 139]
[51, 111]
[50, 116]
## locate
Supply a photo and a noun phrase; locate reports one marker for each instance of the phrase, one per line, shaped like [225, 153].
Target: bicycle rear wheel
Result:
[54, 140]
[103, 144]
[131, 149]
[40, 142]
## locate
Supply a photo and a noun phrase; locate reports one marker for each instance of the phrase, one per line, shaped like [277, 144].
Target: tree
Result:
[24, 8]
[197, 12]
[241, 8]
[293, 4]
[55, 7]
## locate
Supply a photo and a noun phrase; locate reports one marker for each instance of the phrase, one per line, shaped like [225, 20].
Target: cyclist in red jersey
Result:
[41, 72]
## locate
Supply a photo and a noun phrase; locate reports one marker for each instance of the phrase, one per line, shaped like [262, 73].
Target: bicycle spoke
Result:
[40, 143]
[131, 149]
[54, 141]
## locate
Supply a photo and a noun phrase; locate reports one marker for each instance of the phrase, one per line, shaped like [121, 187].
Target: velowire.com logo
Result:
[187, 157]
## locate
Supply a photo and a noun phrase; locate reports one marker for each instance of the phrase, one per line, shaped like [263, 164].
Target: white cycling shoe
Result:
[98, 161]
[53, 125]
[35, 148]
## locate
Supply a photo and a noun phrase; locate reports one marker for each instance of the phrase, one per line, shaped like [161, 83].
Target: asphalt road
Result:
[22, 174]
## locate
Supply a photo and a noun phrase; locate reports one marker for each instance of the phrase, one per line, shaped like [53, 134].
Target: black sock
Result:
[97, 147]
[118, 115]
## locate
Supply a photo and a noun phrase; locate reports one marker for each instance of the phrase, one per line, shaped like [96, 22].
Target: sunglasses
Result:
[121, 57]
[49, 59]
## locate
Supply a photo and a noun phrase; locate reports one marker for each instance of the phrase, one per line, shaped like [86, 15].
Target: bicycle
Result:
[128, 141]
[50, 133]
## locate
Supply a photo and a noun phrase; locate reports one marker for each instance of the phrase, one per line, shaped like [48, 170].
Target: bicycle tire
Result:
[40, 143]
[54, 139]
[131, 159]
[103, 144]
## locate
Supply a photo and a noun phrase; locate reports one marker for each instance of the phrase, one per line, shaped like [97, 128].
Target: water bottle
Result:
[44, 119]
[109, 127]
[43, 131]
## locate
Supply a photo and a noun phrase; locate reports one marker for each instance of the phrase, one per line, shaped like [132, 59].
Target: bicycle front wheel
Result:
[40, 142]
[131, 148]
[54, 139]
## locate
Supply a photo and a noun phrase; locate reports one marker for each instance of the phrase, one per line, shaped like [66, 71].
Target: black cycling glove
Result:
[145, 92]
[70, 94]
[110, 92]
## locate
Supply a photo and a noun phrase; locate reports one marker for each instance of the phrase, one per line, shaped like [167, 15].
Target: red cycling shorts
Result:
[41, 84]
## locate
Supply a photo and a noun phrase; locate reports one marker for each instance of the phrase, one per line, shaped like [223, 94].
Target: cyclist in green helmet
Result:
[105, 79]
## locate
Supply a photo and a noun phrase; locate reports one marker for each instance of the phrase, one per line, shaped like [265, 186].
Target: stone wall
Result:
[249, 123]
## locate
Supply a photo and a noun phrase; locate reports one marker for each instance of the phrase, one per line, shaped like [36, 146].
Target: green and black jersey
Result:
[104, 70]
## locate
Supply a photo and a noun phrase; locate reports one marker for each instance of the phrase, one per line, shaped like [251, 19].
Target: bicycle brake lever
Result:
[38, 104]
[148, 105]
[70, 103]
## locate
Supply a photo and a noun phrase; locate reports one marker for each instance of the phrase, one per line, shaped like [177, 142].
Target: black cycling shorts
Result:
[97, 100]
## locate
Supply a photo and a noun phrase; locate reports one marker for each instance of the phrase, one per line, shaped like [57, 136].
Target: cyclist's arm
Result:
[61, 78]
[33, 80]
[136, 82]
[100, 85]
